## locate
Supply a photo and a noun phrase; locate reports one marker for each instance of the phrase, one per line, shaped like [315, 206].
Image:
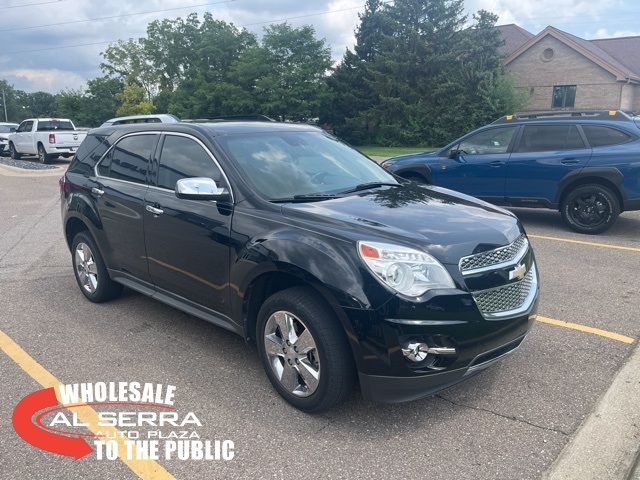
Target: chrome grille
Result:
[494, 257]
[508, 298]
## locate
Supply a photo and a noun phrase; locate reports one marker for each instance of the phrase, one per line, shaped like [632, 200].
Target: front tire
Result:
[590, 209]
[91, 271]
[13, 152]
[304, 350]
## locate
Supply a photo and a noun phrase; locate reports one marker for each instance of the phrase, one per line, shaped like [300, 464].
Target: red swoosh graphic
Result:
[50, 442]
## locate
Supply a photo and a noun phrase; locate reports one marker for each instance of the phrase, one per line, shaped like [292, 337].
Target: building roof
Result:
[625, 49]
[619, 56]
[514, 37]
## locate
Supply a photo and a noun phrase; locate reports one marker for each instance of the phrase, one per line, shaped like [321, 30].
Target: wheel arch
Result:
[73, 226]
[412, 170]
[282, 277]
[610, 178]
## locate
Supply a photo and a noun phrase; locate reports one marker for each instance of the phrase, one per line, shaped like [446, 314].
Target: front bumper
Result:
[475, 328]
[404, 389]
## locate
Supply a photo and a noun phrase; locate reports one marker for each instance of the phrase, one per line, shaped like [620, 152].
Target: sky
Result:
[32, 56]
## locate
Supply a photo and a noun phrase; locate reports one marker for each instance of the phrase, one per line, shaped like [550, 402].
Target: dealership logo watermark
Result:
[129, 420]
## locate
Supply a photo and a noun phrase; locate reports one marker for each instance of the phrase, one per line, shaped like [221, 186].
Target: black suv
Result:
[335, 268]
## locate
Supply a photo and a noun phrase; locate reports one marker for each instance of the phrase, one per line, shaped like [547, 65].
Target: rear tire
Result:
[312, 367]
[590, 209]
[91, 271]
[42, 155]
[13, 152]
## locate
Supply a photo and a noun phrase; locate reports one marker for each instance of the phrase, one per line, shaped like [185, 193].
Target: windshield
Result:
[288, 164]
[7, 128]
[54, 125]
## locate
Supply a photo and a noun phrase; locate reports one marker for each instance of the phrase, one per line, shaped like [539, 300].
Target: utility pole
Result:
[4, 104]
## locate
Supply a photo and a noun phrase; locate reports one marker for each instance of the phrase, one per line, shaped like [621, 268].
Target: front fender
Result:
[331, 263]
[421, 169]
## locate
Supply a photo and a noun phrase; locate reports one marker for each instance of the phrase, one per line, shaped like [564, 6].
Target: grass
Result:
[377, 151]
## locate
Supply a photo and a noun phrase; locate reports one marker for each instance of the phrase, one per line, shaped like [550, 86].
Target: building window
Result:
[564, 96]
[548, 54]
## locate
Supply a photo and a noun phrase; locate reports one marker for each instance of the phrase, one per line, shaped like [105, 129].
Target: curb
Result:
[607, 444]
[9, 171]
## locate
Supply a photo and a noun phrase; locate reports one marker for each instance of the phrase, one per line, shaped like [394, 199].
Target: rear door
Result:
[188, 241]
[545, 154]
[480, 167]
[121, 186]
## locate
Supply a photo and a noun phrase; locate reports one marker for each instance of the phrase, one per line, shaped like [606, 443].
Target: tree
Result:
[294, 65]
[102, 94]
[349, 89]
[129, 62]
[134, 101]
[420, 75]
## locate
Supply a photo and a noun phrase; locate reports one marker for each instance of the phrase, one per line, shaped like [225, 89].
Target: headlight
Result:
[405, 270]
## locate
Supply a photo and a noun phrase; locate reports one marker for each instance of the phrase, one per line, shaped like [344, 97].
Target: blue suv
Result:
[586, 164]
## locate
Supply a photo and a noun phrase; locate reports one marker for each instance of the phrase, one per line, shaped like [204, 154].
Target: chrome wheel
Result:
[86, 267]
[292, 353]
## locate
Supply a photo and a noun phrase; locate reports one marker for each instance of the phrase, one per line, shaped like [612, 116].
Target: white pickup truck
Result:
[48, 138]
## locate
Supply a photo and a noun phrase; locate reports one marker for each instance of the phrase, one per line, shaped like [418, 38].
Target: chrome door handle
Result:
[496, 163]
[569, 161]
[97, 192]
[154, 210]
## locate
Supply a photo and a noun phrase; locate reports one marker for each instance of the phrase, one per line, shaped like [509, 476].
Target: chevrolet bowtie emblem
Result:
[518, 273]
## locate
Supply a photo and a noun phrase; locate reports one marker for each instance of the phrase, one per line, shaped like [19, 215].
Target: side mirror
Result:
[200, 188]
[456, 154]
[12, 129]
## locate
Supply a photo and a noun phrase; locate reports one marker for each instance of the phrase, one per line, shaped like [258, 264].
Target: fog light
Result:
[415, 351]
[418, 351]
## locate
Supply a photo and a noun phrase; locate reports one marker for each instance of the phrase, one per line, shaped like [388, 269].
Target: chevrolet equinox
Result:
[338, 270]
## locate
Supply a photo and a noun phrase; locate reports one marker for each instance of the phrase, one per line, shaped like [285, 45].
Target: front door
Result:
[22, 139]
[479, 168]
[188, 240]
[120, 189]
[544, 155]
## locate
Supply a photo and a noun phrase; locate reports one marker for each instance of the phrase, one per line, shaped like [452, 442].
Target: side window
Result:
[550, 138]
[89, 152]
[25, 126]
[604, 136]
[494, 140]
[129, 159]
[21, 127]
[183, 157]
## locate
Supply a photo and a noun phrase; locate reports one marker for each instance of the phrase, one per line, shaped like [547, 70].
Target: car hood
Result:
[411, 157]
[447, 224]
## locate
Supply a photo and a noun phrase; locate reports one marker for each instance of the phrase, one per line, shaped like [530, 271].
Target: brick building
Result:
[558, 70]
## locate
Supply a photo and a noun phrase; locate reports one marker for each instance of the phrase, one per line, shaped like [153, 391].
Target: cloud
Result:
[48, 80]
[604, 33]
[545, 12]
[64, 67]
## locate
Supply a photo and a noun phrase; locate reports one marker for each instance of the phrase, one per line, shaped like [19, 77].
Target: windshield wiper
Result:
[370, 185]
[306, 197]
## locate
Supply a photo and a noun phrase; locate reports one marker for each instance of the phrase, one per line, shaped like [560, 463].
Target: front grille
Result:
[508, 298]
[494, 257]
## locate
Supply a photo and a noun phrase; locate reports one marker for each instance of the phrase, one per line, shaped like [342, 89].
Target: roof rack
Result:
[617, 115]
[232, 118]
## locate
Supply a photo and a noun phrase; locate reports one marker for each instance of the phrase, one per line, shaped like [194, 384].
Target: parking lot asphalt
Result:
[511, 421]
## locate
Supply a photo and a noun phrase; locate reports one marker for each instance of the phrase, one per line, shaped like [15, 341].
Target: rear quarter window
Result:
[92, 148]
[600, 136]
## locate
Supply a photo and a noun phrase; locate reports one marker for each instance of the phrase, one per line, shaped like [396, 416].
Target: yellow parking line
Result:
[591, 244]
[586, 329]
[145, 469]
